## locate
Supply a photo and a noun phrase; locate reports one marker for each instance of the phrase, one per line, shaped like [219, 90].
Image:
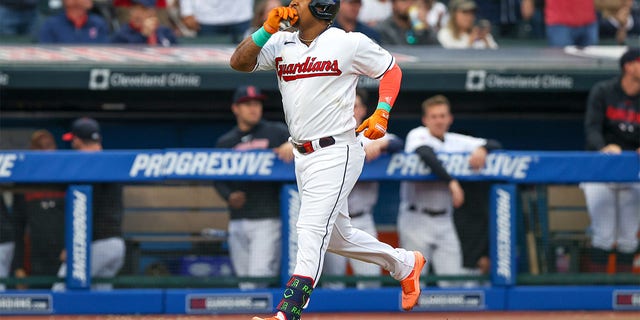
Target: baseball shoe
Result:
[411, 284]
[278, 316]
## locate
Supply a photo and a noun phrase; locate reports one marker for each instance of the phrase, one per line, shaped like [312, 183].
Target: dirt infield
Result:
[568, 315]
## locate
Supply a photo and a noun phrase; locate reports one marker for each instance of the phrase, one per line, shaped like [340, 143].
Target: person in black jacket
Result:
[39, 213]
[612, 125]
[255, 227]
[107, 247]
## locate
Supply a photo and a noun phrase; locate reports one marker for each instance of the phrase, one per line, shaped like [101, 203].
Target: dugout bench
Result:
[168, 221]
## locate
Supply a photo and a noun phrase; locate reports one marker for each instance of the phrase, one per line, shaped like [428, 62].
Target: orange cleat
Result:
[278, 316]
[411, 284]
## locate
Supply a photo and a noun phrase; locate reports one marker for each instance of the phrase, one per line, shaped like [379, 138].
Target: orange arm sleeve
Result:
[390, 85]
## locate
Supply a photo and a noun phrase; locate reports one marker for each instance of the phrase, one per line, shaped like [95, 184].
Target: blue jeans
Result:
[17, 22]
[560, 36]
[236, 30]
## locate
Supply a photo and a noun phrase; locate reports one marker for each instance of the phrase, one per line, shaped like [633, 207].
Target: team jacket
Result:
[261, 196]
[59, 29]
[42, 213]
[6, 223]
[612, 117]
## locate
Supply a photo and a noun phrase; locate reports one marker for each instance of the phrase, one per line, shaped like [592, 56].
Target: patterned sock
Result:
[295, 297]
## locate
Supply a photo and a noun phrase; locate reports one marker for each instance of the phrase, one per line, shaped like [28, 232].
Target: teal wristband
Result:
[384, 106]
[260, 37]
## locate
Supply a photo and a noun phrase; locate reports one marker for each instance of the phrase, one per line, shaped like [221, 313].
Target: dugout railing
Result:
[510, 171]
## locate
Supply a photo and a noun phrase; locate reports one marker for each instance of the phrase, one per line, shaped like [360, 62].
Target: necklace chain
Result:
[305, 40]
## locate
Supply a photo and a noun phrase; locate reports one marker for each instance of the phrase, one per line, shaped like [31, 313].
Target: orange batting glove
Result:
[278, 14]
[376, 125]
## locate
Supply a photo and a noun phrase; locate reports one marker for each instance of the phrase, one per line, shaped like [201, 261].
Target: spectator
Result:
[571, 22]
[255, 227]
[462, 32]
[429, 13]
[6, 241]
[122, 11]
[347, 20]
[144, 27]
[374, 11]
[107, 248]
[425, 220]
[217, 17]
[261, 13]
[532, 22]
[398, 29]
[40, 215]
[18, 17]
[620, 18]
[612, 126]
[75, 25]
[361, 201]
[504, 15]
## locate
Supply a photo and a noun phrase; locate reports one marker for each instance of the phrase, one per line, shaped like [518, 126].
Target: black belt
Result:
[307, 147]
[356, 214]
[432, 213]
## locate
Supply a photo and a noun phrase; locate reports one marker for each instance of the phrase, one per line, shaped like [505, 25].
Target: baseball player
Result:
[254, 227]
[6, 241]
[107, 248]
[362, 199]
[425, 220]
[612, 124]
[317, 68]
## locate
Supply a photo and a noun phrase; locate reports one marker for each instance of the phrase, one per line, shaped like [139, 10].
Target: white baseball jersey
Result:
[318, 82]
[434, 195]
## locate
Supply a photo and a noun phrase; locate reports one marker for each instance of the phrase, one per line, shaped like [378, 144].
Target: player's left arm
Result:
[376, 126]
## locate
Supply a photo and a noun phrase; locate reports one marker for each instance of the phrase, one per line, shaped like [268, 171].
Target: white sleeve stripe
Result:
[388, 67]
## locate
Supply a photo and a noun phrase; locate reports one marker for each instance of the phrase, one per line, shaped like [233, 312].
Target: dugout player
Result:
[317, 68]
[612, 125]
[107, 247]
[40, 214]
[6, 241]
[362, 199]
[425, 219]
[255, 227]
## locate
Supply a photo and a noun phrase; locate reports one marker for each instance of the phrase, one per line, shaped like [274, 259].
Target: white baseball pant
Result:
[107, 258]
[436, 238]
[337, 265]
[614, 209]
[254, 248]
[325, 179]
[6, 256]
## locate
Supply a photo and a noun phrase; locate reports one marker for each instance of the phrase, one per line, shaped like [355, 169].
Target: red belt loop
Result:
[308, 147]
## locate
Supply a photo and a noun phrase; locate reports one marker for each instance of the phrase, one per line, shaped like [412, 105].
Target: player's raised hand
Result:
[375, 126]
[278, 14]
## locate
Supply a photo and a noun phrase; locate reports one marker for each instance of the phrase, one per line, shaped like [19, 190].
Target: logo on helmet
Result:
[324, 9]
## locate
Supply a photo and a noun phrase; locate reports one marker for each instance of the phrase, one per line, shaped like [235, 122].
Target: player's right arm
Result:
[245, 57]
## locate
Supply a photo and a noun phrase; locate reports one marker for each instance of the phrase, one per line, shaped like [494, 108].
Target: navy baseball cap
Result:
[85, 129]
[146, 3]
[246, 93]
[632, 54]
